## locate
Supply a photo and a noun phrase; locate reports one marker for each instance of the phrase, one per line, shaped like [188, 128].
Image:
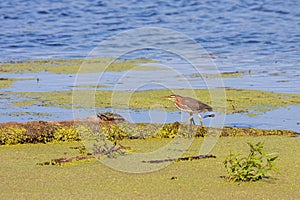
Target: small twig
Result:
[105, 150]
[60, 161]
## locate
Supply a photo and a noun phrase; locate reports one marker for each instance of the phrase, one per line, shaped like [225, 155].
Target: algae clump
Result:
[7, 82]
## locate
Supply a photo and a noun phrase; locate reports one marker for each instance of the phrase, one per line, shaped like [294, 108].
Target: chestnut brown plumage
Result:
[190, 105]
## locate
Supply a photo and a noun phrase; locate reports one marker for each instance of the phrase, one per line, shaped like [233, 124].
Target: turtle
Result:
[111, 117]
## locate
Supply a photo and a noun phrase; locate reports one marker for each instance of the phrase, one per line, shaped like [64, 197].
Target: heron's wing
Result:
[196, 105]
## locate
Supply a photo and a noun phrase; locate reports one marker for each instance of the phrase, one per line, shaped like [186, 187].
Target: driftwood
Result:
[64, 160]
[188, 158]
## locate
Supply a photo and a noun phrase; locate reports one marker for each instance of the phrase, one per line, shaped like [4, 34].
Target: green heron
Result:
[190, 105]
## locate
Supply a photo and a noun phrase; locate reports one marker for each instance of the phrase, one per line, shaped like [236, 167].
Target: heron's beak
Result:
[165, 97]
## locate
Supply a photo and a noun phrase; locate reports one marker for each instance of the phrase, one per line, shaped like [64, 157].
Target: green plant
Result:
[66, 134]
[12, 135]
[251, 168]
[114, 132]
[169, 130]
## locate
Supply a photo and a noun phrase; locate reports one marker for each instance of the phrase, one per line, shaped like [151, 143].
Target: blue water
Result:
[251, 33]
[261, 37]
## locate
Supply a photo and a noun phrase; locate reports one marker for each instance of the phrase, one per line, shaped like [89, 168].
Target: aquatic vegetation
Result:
[257, 100]
[37, 114]
[169, 130]
[237, 100]
[72, 66]
[200, 178]
[66, 134]
[27, 102]
[232, 74]
[253, 167]
[177, 129]
[67, 131]
[223, 75]
[12, 135]
[36, 132]
[92, 86]
[7, 82]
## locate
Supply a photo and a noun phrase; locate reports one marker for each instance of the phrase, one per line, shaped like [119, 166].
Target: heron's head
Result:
[172, 97]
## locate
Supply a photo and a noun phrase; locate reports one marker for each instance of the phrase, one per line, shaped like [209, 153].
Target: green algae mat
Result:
[72, 66]
[21, 178]
[237, 100]
[24, 177]
[252, 102]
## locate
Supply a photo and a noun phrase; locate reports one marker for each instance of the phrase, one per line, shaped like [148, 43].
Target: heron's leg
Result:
[191, 119]
[200, 117]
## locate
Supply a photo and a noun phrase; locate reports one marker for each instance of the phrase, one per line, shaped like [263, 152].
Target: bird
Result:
[190, 105]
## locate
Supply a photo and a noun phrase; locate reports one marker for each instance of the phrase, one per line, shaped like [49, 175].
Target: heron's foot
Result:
[210, 115]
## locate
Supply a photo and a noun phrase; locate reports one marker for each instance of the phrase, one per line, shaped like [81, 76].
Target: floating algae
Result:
[234, 74]
[71, 66]
[7, 82]
[237, 100]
